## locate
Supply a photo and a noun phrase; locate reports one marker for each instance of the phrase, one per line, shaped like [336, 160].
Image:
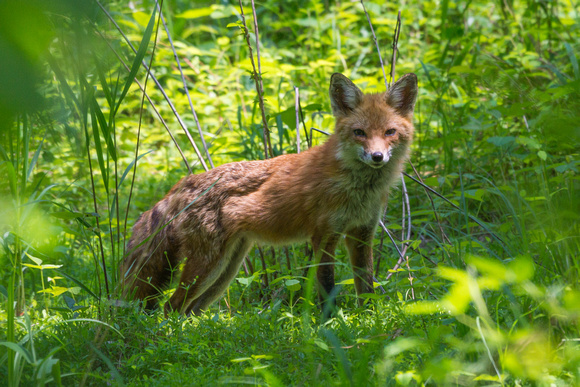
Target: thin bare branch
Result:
[479, 222]
[264, 267]
[406, 202]
[410, 279]
[403, 210]
[395, 47]
[297, 106]
[380, 286]
[376, 43]
[186, 90]
[257, 75]
[443, 235]
[401, 254]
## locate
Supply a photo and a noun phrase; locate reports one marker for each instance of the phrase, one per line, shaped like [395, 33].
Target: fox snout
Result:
[376, 158]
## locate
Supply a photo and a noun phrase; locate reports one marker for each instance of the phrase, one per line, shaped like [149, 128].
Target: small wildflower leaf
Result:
[543, 155]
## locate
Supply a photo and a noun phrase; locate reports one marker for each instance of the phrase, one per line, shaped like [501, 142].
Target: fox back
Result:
[212, 219]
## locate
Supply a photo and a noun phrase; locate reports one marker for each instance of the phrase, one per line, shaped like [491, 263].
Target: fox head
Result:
[373, 128]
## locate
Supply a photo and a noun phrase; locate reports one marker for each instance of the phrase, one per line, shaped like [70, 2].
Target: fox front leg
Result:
[359, 242]
[324, 254]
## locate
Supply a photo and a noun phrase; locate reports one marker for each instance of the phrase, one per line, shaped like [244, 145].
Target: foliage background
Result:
[489, 291]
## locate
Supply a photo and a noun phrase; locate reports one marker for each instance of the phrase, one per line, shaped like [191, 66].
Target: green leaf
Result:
[12, 180]
[523, 268]
[104, 129]
[18, 349]
[79, 283]
[573, 60]
[528, 142]
[423, 307]
[99, 149]
[55, 291]
[34, 159]
[67, 214]
[38, 261]
[292, 284]
[321, 344]
[501, 141]
[196, 13]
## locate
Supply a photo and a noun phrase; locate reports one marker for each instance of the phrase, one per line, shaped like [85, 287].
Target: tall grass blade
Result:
[138, 59]
[34, 159]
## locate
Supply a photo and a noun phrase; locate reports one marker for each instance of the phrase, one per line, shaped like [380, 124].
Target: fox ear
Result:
[344, 95]
[403, 93]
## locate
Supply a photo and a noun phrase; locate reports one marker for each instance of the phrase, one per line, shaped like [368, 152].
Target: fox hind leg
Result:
[207, 270]
[237, 255]
[145, 274]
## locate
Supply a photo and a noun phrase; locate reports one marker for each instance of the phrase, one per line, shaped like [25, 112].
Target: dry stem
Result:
[257, 76]
[376, 43]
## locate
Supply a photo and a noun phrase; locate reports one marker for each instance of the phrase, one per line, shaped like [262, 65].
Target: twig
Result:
[443, 235]
[173, 109]
[265, 121]
[486, 347]
[257, 76]
[401, 254]
[406, 211]
[395, 43]
[376, 43]
[287, 253]
[245, 267]
[297, 106]
[410, 279]
[407, 237]
[250, 265]
[480, 223]
[406, 196]
[264, 266]
[380, 286]
[186, 89]
[382, 240]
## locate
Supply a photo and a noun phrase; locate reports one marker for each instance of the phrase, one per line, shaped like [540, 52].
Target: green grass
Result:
[489, 294]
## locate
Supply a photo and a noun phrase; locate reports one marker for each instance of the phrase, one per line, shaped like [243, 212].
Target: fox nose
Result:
[377, 156]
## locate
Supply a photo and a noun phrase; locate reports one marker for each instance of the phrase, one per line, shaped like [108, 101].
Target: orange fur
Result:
[334, 189]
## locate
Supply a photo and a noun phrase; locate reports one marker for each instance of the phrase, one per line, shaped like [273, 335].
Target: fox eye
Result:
[359, 132]
[390, 132]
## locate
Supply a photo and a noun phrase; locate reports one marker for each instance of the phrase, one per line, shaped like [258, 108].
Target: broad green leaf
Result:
[18, 349]
[37, 261]
[543, 155]
[196, 13]
[292, 285]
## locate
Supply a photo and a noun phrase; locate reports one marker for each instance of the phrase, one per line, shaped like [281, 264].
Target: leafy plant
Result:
[477, 266]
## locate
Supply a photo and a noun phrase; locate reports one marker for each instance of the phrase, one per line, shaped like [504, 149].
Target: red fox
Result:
[338, 188]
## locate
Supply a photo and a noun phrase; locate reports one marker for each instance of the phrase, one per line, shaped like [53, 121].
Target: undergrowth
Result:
[487, 290]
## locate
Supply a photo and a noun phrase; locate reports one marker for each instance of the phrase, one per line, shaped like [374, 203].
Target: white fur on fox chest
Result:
[360, 204]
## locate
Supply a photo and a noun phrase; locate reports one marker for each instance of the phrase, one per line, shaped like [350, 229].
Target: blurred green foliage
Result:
[489, 294]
